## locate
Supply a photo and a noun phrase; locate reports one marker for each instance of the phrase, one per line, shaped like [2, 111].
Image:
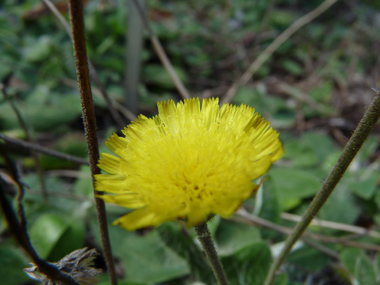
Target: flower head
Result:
[187, 162]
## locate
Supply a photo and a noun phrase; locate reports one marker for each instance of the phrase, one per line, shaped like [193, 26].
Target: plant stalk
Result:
[89, 121]
[207, 243]
[361, 133]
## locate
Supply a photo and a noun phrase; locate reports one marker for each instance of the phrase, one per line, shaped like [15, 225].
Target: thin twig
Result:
[29, 137]
[273, 47]
[204, 237]
[333, 225]
[77, 25]
[243, 216]
[162, 55]
[41, 149]
[94, 75]
[321, 248]
[351, 149]
[18, 228]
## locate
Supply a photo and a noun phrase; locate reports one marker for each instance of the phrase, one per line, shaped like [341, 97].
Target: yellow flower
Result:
[187, 162]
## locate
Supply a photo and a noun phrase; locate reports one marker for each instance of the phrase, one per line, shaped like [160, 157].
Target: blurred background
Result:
[314, 89]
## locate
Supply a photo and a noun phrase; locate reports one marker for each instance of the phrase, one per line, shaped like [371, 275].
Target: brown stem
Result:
[207, 243]
[77, 26]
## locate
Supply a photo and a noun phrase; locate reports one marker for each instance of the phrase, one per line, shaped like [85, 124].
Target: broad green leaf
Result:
[232, 237]
[364, 271]
[270, 209]
[321, 144]
[291, 184]
[368, 148]
[340, 207]
[12, 262]
[363, 182]
[309, 258]
[300, 153]
[45, 233]
[348, 257]
[149, 260]
[248, 266]
[72, 239]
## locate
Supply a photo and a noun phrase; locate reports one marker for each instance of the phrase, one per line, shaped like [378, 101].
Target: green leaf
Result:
[45, 233]
[359, 265]
[300, 153]
[270, 209]
[363, 183]
[12, 262]
[321, 144]
[183, 244]
[340, 207]
[149, 259]
[309, 258]
[249, 265]
[72, 239]
[232, 237]
[368, 148]
[348, 257]
[291, 184]
[364, 271]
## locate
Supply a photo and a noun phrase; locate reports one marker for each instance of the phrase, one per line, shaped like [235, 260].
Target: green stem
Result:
[361, 133]
[89, 121]
[207, 243]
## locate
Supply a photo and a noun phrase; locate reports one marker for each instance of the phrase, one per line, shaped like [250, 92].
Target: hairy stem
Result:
[361, 133]
[89, 121]
[207, 243]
